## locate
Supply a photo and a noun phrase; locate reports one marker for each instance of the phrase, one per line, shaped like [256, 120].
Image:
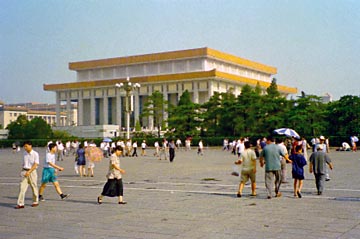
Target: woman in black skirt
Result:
[114, 185]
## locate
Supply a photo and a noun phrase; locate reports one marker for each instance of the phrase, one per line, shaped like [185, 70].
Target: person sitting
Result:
[344, 147]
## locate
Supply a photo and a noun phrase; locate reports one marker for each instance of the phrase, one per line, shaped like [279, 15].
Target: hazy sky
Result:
[315, 44]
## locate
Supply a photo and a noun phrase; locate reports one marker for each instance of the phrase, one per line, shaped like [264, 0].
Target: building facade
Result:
[10, 113]
[200, 71]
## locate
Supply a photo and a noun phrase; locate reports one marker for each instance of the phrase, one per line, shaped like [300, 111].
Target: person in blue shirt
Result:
[298, 163]
[270, 157]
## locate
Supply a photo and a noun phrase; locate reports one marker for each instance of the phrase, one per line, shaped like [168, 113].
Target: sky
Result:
[314, 44]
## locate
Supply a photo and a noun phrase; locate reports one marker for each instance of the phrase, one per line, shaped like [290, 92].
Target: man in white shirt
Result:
[28, 176]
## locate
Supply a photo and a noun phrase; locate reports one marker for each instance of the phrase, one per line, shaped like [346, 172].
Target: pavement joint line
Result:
[181, 191]
[177, 184]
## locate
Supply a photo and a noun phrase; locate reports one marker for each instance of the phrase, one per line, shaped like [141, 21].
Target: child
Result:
[49, 173]
[298, 163]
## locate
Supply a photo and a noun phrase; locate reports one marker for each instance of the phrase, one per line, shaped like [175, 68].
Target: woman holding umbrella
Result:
[114, 184]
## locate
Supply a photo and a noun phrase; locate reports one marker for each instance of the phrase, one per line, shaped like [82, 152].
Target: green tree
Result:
[156, 107]
[211, 115]
[185, 118]
[307, 116]
[248, 114]
[137, 126]
[272, 90]
[273, 108]
[344, 116]
[17, 128]
[37, 128]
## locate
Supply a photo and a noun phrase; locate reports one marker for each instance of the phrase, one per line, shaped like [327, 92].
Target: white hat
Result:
[322, 137]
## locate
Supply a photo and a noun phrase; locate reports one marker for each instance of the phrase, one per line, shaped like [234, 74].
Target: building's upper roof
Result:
[170, 77]
[172, 55]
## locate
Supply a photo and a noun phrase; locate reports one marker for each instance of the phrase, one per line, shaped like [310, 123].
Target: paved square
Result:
[194, 197]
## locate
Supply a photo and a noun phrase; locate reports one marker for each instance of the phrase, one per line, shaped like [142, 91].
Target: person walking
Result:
[353, 141]
[270, 157]
[172, 148]
[28, 176]
[178, 143]
[134, 148]
[81, 160]
[88, 156]
[114, 185]
[200, 148]
[143, 148]
[318, 161]
[325, 150]
[248, 161]
[157, 149]
[60, 151]
[164, 149]
[49, 173]
[298, 163]
[281, 144]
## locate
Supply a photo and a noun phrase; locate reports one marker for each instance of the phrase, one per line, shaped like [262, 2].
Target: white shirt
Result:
[50, 158]
[30, 159]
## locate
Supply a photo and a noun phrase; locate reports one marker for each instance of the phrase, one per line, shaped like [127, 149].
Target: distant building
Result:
[200, 71]
[10, 112]
[326, 98]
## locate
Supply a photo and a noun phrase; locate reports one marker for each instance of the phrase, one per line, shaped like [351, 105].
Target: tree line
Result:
[253, 113]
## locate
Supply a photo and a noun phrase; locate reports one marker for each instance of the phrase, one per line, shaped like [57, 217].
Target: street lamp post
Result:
[128, 87]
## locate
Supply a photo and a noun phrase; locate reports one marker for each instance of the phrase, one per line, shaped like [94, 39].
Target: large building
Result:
[200, 71]
[10, 113]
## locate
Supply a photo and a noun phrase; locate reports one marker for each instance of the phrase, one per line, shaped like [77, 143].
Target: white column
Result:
[92, 108]
[136, 106]
[166, 98]
[179, 90]
[68, 109]
[118, 108]
[195, 92]
[80, 109]
[58, 108]
[210, 89]
[105, 109]
[151, 118]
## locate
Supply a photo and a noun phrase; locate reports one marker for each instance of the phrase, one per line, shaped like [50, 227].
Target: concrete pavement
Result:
[194, 197]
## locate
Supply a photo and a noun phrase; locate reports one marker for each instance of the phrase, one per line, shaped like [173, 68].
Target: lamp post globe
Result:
[128, 87]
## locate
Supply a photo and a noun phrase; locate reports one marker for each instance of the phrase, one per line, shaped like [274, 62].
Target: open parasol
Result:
[288, 132]
[94, 154]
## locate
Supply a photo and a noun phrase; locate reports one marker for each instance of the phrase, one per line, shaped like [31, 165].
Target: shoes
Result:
[238, 195]
[41, 198]
[299, 194]
[268, 197]
[99, 200]
[123, 202]
[19, 207]
[279, 194]
[253, 194]
[327, 179]
[65, 196]
[319, 193]
[35, 204]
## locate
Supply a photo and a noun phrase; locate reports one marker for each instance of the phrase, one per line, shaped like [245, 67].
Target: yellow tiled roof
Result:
[172, 55]
[162, 78]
